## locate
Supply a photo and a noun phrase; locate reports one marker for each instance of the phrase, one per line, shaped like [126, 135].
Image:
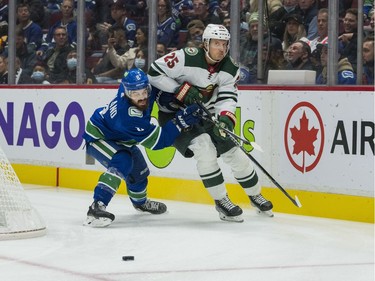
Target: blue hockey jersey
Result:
[124, 123]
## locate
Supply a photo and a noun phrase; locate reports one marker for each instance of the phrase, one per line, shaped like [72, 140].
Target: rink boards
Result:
[318, 144]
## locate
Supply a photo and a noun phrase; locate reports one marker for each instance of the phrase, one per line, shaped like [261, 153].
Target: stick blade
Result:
[256, 146]
[298, 203]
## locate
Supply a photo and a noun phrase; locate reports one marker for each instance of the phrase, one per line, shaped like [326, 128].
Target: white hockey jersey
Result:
[217, 83]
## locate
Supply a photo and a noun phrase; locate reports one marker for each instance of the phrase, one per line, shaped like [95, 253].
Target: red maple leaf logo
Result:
[304, 138]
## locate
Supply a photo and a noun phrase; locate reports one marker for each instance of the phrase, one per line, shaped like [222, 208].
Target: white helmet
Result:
[214, 31]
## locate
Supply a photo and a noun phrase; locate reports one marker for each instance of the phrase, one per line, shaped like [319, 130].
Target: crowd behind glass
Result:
[295, 37]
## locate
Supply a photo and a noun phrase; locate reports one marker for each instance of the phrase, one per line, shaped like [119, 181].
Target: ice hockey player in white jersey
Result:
[112, 135]
[208, 74]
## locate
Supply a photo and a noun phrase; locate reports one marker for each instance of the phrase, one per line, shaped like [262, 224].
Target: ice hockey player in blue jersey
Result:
[112, 135]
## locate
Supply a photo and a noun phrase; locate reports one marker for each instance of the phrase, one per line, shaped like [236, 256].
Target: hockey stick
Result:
[235, 139]
[212, 120]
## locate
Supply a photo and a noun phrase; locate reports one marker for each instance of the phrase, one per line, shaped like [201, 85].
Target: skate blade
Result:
[97, 222]
[264, 213]
[231, 219]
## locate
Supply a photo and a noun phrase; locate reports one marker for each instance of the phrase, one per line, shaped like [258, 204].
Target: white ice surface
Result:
[189, 243]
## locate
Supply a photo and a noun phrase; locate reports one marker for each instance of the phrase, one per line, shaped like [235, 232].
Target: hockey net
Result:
[18, 219]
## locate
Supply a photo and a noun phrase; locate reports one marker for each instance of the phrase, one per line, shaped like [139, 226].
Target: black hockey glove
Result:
[227, 121]
[188, 94]
[188, 117]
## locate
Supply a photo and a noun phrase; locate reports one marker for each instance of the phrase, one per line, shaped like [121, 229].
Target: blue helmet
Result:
[135, 79]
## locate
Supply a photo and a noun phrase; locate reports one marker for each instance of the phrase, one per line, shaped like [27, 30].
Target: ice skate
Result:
[262, 205]
[152, 207]
[228, 211]
[97, 216]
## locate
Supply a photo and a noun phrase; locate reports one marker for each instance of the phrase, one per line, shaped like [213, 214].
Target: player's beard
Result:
[141, 104]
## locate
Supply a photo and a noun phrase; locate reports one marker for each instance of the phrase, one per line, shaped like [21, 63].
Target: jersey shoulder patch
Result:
[135, 112]
[191, 51]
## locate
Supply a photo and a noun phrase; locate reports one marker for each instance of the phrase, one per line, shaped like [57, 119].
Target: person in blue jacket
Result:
[112, 134]
[345, 72]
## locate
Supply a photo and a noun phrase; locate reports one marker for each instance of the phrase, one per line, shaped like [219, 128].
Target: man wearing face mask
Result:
[71, 77]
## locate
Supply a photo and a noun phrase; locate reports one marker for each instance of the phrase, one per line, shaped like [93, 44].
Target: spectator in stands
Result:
[345, 73]
[126, 61]
[322, 29]
[26, 55]
[294, 30]
[195, 32]
[161, 50]
[140, 60]
[368, 61]
[55, 57]
[224, 9]
[201, 11]
[40, 74]
[93, 40]
[249, 47]
[183, 11]
[167, 28]
[32, 31]
[70, 75]
[348, 40]
[273, 5]
[105, 71]
[226, 22]
[119, 13]
[276, 23]
[298, 57]
[322, 34]
[369, 29]
[272, 57]
[67, 22]
[3, 70]
[21, 76]
[309, 12]
[37, 11]
[367, 6]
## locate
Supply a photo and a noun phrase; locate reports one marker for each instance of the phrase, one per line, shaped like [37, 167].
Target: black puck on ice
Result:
[127, 258]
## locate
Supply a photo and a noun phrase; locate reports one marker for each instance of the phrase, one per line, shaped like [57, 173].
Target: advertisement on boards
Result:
[311, 140]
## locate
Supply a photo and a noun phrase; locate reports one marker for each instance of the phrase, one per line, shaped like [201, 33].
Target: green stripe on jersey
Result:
[152, 139]
[93, 131]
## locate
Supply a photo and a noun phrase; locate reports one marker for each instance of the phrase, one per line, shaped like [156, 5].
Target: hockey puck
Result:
[127, 258]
